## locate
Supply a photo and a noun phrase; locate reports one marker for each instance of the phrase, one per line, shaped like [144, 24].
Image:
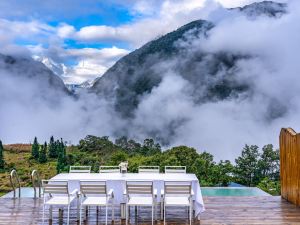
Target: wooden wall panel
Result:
[290, 165]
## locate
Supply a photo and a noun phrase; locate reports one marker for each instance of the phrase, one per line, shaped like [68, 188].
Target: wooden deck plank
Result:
[219, 210]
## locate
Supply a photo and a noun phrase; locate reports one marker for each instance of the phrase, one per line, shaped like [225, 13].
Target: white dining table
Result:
[117, 182]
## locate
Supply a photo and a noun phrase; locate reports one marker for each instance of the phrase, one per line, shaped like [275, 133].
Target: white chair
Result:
[175, 169]
[178, 194]
[80, 169]
[140, 193]
[56, 193]
[109, 169]
[148, 169]
[94, 193]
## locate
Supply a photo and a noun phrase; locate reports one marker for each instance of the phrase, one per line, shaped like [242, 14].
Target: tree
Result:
[246, 169]
[2, 163]
[269, 163]
[270, 186]
[35, 149]
[43, 153]
[185, 156]
[122, 142]
[61, 160]
[150, 147]
[52, 148]
[205, 169]
[225, 172]
[118, 157]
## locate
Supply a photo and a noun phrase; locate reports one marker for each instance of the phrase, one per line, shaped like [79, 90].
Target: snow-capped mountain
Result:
[57, 68]
[23, 68]
[266, 8]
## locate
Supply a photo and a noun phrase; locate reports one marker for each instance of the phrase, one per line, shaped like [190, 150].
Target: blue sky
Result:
[80, 39]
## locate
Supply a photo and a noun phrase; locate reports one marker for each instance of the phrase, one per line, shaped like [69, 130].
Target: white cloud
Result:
[20, 29]
[90, 63]
[159, 17]
[65, 30]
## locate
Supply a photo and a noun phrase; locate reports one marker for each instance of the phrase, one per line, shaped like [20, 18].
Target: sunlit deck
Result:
[219, 210]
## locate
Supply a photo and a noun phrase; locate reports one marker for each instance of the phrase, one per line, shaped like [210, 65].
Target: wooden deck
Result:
[219, 210]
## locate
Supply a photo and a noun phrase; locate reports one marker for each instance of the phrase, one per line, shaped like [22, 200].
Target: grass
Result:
[18, 156]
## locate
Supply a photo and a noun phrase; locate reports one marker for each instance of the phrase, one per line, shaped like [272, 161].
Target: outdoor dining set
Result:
[112, 187]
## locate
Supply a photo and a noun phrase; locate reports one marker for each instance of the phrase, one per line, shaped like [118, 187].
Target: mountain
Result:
[267, 8]
[75, 88]
[57, 68]
[210, 75]
[20, 69]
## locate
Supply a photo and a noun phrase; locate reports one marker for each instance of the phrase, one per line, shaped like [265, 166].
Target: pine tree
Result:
[63, 147]
[35, 149]
[52, 148]
[1, 156]
[61, 160]
[43, 153]
[246, 169]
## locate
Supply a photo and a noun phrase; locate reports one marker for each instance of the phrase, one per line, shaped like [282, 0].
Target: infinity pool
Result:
[233, 191]
[27, 192]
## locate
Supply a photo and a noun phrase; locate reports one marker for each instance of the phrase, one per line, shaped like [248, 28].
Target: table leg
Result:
[50, 212]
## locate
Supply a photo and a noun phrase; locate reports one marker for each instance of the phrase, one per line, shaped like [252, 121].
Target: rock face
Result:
[211, 75]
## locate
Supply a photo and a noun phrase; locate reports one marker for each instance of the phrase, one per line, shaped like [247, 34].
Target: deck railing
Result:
[36, 183]
[290, 165]
[15, 183]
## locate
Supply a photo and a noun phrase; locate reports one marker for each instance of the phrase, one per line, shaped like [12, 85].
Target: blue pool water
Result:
[27, 192]
[233, 191]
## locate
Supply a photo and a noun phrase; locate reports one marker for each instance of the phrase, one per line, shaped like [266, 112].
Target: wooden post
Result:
[290, 165]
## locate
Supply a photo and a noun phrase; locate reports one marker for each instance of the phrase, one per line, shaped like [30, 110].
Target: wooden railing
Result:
[290, 165]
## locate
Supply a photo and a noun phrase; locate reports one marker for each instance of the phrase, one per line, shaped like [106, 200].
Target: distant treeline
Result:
[254, 167]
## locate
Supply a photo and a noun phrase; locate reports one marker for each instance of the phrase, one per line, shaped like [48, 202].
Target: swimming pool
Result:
[232, 191]
[27, 192]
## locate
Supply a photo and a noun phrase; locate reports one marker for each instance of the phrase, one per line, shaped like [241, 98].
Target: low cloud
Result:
[271, 69]
[90, 63]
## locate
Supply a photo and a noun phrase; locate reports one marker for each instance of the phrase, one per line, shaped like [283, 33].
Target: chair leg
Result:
[161, 209]
[106, 215]
[152, 214]
[191, 211]
[43, 214]
[80, 214]
[113, 210]
[78, 206]
[68, 217]
[126, 214]
[164, 214]
[155, 211]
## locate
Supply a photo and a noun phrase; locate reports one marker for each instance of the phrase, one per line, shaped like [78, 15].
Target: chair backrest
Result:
[55, 187]
[175, 169]
[36, 183]
[109, 169]
[80, 169]
[139, 188]
[93, 187]
[15, 182]
[177, 188]
[148, 169]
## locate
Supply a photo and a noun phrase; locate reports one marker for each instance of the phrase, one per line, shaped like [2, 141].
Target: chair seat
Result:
[95, 201]
[140, 200]
[180, 201]
[59, 200]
